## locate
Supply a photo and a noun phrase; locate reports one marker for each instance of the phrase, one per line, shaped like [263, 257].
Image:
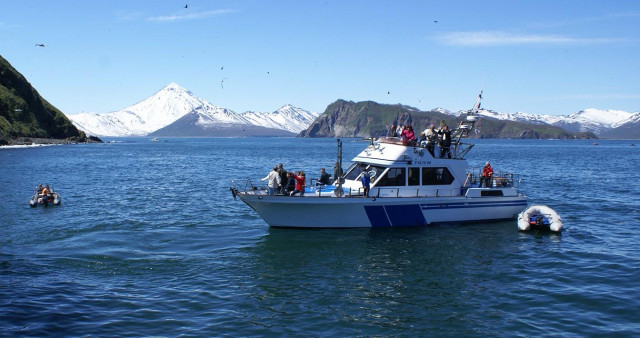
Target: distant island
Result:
[370, 119]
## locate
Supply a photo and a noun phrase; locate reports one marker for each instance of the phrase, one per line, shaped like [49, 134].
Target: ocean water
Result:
[149, 242]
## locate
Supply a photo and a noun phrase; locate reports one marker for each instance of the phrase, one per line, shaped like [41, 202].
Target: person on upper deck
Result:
[445, 142]
[487, 176]
[299, 183]
[408, 136]
[422, 140]
[325, 178]
[393, 132]
[431, 136]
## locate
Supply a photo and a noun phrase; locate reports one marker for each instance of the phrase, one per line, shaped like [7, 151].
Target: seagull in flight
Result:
[186, 6]
[222, 82]
[39, 44]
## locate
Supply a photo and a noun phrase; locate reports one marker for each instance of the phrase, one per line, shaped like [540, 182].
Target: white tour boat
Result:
[408, 187]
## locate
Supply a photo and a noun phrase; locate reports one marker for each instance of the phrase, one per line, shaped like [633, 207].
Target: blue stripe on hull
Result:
[377, 216]
[395, 215]
[406, 215]
[412, 214]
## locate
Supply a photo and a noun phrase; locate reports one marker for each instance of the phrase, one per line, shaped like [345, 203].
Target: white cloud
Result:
[500, 38]
[189, 16]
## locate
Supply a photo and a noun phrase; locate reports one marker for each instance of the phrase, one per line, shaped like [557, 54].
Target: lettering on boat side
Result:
[421, 162]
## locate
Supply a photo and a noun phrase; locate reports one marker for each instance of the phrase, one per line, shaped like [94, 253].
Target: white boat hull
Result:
[361, 212]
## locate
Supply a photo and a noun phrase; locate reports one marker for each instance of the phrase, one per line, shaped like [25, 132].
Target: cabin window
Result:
[393, 178]
[414, 176]
[436, 176]
[354, 172]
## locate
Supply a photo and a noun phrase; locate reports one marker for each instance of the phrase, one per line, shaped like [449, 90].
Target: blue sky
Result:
[546, 57]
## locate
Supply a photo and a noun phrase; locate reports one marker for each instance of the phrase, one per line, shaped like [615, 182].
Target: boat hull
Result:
[361, 212]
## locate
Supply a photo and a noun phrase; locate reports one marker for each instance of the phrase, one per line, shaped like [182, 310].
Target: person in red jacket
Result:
[299, 183]
[487, 175]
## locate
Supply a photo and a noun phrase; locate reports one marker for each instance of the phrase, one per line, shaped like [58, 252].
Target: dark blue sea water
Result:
[149, 242]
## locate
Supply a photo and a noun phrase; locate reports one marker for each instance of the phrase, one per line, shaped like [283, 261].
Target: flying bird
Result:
[222, 82]
[186, 6]
[435, 21]
[388, 93]
[39, 44]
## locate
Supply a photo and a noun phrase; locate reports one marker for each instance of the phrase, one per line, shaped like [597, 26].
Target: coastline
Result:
[27, 142]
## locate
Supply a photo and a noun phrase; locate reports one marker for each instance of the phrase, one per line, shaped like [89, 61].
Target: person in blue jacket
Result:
[366, 179]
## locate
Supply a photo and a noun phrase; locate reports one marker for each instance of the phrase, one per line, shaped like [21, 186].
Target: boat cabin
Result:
[398, 170]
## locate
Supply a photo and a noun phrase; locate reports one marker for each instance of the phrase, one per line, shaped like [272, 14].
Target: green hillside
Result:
[24, 113]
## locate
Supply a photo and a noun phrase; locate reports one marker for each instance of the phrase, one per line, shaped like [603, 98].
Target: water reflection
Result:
[364, 278]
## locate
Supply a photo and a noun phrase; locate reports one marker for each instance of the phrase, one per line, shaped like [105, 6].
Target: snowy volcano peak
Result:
[159, 110]
[164, 107]
[174, 86]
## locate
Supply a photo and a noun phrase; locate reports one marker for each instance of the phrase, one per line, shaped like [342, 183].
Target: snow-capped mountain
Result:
[174, 102]
[157, 111]
[589, 120]
[288, 118]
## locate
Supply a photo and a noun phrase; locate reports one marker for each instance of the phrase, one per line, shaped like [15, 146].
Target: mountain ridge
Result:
[370, 119]
[155, 115]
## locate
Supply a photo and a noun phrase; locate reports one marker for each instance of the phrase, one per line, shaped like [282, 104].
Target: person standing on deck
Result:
[337, 173]
[299, 183]
[273, 181]
[487, 176]
[283, 178]
[366, 180]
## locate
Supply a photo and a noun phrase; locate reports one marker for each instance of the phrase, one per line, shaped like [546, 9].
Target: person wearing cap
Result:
[487, 175]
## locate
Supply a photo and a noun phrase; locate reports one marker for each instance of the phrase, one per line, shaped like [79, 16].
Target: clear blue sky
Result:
[547, 57]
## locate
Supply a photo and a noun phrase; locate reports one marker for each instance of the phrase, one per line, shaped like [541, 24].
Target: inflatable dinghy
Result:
[539, 217]
[44, 195]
